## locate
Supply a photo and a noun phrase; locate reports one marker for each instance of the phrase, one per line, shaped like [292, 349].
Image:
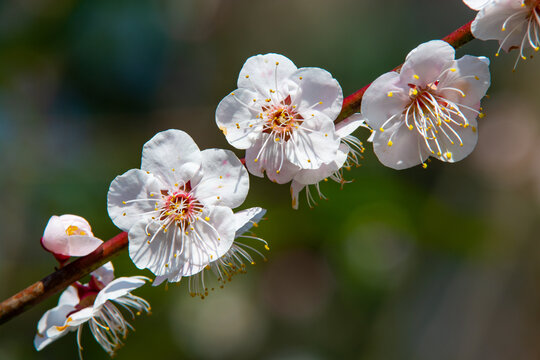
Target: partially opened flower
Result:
[283, 116]
[177, 208]
[349, 154]
[234, 260]
[515, 23]
[69, 235]
[429, 108]
[94, 303]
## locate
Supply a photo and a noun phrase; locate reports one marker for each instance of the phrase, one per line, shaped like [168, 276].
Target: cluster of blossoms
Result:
[178, 207]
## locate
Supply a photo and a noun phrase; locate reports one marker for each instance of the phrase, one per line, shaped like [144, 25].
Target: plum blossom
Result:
[94, 303]
[514, 23]
[69, 235]
[349, 153]
[282, 116]
[428, 109]
[177, 207]
[234, 261]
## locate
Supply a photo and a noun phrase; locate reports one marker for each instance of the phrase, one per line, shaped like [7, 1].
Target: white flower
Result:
[69, 235]
[283, 116]
[515, 23]
[94, 303]
[177, 208]
[233, 261]
[349, 153]
[429, 108]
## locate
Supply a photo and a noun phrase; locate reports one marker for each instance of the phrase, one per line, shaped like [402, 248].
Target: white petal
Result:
[224, 180]
[350, 124]
[105, 273]
[313, 176]
[469, 136]
[136, 185]
[168, 150]
[315, 142]
[56, 316]
[52, 318]
[209, 239]
[425, 63]
[217, 235]
[270, 160]
[406, 151]
[318, 89]
[378, 106]
[476, 4]
[260, 72]
[489, 22]
[76, 319]
[118, 288]
[245, 219]
[236, 116]
[471, 76]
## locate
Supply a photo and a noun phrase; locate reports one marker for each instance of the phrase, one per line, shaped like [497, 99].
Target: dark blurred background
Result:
[440, 263]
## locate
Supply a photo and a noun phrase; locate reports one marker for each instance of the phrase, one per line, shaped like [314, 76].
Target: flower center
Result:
[179, 206]
[74, 230]
[280, 120]
[433, 116]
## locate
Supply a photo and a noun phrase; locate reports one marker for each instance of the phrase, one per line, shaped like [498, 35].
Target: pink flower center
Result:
[281, 119]
[180, 206]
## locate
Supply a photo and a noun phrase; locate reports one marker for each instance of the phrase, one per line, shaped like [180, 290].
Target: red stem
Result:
[74, 271]
[62, 278]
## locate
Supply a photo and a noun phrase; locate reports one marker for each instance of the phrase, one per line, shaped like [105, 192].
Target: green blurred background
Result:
[440, 263]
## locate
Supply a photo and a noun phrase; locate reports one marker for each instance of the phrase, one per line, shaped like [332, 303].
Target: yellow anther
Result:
[123, 202]
[277, 139]
[277, 62]
[414, 92]
[255, 160]
[481, 115]
[473, 128]
[207, 218]
[411, 127]
[390, 94]
[266, 247]
[424, 165]
[325, 135]
[277, 171]
[254, 100]
[267, 100]
[496, 54]
[382, 130]
[320, 102]
[218, 198]
[300, 78]
[503, 29]
[438, 153]
[476, 77]
[390, 143]
[124, 214]
[453, 70]
[247, 76]
[416, 76]
[448, 155]
[232, 93]
[166, 265]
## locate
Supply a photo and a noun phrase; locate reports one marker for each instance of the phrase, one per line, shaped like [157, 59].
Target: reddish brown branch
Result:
[352, 103]
[72, 272]
[61, 278]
